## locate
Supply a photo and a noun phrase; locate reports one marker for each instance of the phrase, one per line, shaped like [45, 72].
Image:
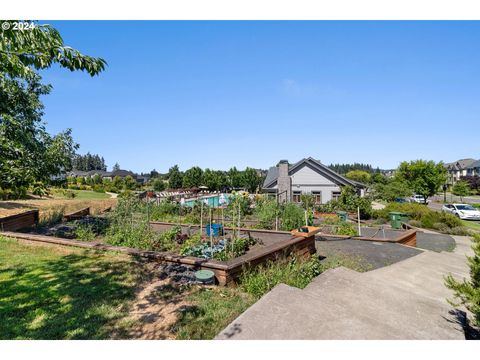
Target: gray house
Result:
[308, 176]
[459, 168]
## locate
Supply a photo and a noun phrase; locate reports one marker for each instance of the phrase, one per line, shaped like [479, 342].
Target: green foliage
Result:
[461, 188]
[424, 177]
[236, 200]
[292, 217]
[467, 292]
[359, 175]
[350, 201]
[190, 246]
[69, 194]
[158, 185]
[88, 162]
[266, 210]
[116, 167]
[234, 178]
[345, 168]
[293, 272]
[251, 180]
[39, 189]
[214, 180]
[344, 228]
[84, 232]
[193, 177]
[23, 51]
[235, 247]
[129, 183]
[422, 216]
[29, 153]
[391, 189]
[175, 177]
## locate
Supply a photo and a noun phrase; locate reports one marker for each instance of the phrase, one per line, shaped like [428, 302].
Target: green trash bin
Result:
[342, 215]
[396, 219]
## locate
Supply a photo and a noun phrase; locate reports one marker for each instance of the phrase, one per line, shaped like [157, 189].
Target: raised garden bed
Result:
[226, 272]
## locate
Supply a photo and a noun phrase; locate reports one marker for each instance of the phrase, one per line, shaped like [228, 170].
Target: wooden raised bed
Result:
[226, 272]
[19, 221]
[77, 214]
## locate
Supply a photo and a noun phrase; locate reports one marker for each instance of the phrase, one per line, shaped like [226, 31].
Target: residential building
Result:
[307, 176]
[462, 167]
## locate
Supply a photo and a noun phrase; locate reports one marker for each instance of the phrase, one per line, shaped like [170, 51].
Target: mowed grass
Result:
[81, 195]
[63, 293]
[474, 225]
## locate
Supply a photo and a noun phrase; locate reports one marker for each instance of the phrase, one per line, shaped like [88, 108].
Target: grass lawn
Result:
[63, 293]
[81, 195]
[474, 225]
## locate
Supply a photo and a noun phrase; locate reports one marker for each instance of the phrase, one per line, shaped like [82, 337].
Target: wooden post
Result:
[201, 219]
[358, 217]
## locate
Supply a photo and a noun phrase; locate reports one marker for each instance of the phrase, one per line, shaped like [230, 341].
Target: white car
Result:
[419, 199]
[463, 211]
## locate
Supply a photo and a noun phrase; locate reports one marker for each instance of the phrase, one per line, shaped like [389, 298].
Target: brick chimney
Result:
[284, 183]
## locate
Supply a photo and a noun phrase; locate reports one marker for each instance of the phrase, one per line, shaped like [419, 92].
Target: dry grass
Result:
[12, 207]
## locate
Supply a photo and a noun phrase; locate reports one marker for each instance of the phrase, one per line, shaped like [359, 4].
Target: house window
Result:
[296, 196]
[318, 196]
[335, 195]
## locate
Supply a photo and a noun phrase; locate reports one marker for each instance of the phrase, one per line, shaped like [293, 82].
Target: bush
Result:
[51, 217]
[69, 194]
[344, 228]
[292, 217]
[266, 211]
[460, 230]
[84, 232]
[468, 292]
[415, 223]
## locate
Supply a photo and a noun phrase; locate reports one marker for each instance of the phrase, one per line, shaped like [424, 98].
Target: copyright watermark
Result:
[17, 25]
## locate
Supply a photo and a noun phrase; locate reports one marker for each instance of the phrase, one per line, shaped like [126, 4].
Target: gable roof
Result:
[316, 165]
[474, 165]
[122, 173]
[460, 164]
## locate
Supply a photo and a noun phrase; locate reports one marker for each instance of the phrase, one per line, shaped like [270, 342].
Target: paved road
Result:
[457, 199]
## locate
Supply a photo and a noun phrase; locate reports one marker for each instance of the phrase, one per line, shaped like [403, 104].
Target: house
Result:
[459, 168]
[103, 174]
[308, 176]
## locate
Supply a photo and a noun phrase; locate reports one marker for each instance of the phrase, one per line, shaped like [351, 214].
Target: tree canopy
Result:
[28, 153]
[422, 176]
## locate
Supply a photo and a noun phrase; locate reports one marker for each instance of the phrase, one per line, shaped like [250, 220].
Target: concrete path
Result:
[406, 300]
[112, 195]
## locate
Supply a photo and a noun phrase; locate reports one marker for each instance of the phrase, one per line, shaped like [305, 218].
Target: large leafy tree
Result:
[251, 179]
[359, 175]
[234, 178]
[175, 177]
[461, 188]
[28, 153]
[193, 177]
[423, 177]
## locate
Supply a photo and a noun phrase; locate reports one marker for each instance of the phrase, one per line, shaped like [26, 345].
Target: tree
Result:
[158, 184]
[28, 153]
[359, 175]
[116, 167]
[251, 179]
[129, 183]
[461, 188]
[423, 177]
[473, 181]
[175, 177]
[467, 292]
[345, 168]
[154, 174]
[117, 183]
[88, 162]
[23, 52]
[234, 178]
[192, 177]
[391, 190]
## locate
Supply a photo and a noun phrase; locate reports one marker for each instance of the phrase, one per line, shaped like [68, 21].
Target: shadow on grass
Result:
[75, 296]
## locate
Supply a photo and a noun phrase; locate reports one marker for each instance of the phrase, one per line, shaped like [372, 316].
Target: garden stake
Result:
[358, 216]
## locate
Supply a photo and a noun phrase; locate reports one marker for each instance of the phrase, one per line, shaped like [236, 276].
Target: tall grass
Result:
[51, 217]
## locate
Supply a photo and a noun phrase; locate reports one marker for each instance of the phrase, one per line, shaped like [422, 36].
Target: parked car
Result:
[401, 200]
[463, 211]
[419, 199]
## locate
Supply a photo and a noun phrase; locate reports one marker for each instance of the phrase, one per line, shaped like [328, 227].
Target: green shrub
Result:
[467, 292]
[460, 230]
[69, 194]
[440, 227]
[292, 217]
[344, 228]
[84, 232]
[415, 223]
[266, 211]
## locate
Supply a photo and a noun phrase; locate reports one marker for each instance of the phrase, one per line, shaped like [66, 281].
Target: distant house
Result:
[308, 176]
[103, 174]
[462, 167]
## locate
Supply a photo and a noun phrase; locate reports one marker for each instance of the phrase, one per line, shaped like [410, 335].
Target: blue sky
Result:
[219, 94]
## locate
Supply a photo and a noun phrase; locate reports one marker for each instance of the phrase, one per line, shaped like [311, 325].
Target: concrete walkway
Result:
[406, 300]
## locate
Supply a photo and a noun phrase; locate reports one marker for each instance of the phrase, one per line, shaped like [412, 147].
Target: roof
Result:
[474, 165]
[122, 173]
[77, 173]
[99, 172]
[272, 174]
[461, 164]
